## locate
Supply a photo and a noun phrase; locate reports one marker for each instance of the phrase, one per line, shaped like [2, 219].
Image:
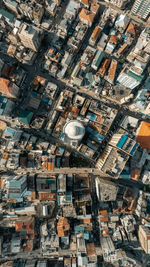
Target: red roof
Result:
[86, 15]
[5, 86]
[143, 137]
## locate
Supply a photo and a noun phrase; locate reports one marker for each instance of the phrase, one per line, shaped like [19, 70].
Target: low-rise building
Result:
[112, 71]
[97, 59]
[95, 35]
[86, 16]
[129, 79]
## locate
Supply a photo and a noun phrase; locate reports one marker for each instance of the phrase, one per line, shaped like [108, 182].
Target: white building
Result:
[74, 131]
[128, 80]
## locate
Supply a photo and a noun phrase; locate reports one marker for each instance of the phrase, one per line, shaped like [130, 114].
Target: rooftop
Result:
[86, 15]
[5, 86]
[25, 116]
[143, 137]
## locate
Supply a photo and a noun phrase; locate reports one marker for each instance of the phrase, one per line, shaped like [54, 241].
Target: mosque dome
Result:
[74, 129]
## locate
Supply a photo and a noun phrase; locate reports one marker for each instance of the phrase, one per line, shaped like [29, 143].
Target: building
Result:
[17, 186]
[103, 41]
[46, 184]
[12, 5]
[141, 8]
[63, 227]
[38, 12]
[72, 9]
[61, 184]
[74, 131]
[42, 263]
[142, 102]
[6, 106]
[91, 252]
[143, 136]
[95, 35]
[102, 70]
[9, 18]
[112, 161]
[122, 50]
[144, 238]
[25, 226]
[124, 143]
[108, 249]
[97, 60]
[119, 3]
[8, 88]
[129, 79]
[12, 134]
[86, 17]
[106, 191]
[29, 36]
[25, 116]
[111, 44]
[112, 71]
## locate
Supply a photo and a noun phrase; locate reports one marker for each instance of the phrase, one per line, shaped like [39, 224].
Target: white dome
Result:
[74, 130]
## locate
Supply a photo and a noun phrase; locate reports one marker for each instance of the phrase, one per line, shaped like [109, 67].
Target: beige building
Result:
[29, 37]
[144, 238]
[119, 3]
[38, 13]
[12, 5]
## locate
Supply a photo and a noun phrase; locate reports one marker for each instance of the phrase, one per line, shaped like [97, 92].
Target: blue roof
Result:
[124, 174]
[50, 102]
[91, 146]
[62, 136]
[68, 197]
[45, 100]
[58, 200]
[133, 149]
[87, 235]
[10, 131]
[93, 117]
[79, 229]
[122, 141]
[94, 135]
[60, 150]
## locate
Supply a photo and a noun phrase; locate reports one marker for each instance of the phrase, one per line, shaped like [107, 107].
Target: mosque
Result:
[74, 132]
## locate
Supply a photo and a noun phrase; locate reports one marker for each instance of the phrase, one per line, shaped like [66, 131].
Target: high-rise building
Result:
[144, 238]
[108, 249]
[8, 88]
[119, 3]
[141, 8]
[15, 187]
[29, 37]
